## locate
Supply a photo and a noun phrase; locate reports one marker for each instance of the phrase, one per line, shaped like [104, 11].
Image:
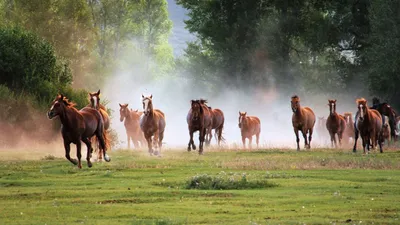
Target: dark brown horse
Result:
[249, 126]
[335, 124]
[369, 126]
[78, 126]
[386, 110]
[95, 104]
[152, 124]
[132, 125]
[199, 118]
[349, 130]
[303, 120]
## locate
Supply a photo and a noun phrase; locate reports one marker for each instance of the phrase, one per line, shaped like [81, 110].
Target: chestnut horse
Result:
[349, 130]
[152, 124]
[199, 118]
[95, 103]
[303, 120]
[335, 123]
[132, 125]
[369, 125]
[218, 121]
[78, 126]
[249, 126]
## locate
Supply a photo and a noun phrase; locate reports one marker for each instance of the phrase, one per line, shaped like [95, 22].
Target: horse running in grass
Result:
[199, 118]
[386, 110]
[349, 130]
[95, 104]
[303, 120]
[79, 126]
[335, 124]
[249, 126]
[368, 125]
[153, 125]
[131, 121]
[218, 121]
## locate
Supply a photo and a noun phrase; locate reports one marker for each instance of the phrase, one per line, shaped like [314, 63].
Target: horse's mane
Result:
[347, 114]
[68, 103]
[295, 97]
[361, 100]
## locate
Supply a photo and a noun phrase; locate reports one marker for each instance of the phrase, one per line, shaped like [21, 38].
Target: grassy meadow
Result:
[272, 186]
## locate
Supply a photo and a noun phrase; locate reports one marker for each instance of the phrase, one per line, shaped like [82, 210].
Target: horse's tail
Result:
[220, 136]
[107, 140]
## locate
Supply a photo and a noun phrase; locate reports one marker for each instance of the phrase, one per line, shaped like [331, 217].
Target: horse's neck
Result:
[65, 116]
[299, 112]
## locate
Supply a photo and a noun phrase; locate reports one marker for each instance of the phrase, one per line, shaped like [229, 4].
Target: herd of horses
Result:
[91, 124]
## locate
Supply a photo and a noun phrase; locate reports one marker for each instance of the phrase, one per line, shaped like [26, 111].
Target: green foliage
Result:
[225, 182]
[29, 64]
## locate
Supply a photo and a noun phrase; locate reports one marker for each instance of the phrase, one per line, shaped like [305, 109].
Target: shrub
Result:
[226, 182]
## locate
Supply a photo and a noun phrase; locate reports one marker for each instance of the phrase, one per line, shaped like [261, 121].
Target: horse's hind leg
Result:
[67, 152]
[89, 147]
[102, 144]
[257, 139]
[160, 139]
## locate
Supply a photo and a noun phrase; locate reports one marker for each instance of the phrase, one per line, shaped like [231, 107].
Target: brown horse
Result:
[249, 126]
[95, 103]
[335, 124]
[369, 125]
[303, 119]
[218, 121]
[152, 124]
[132, 125]
[199, 118]
[349, 130]
[78, 126]
[386, 110]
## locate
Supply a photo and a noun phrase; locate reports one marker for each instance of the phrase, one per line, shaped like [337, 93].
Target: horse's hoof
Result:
[156, 152]
[194, 147]
[107, 158]
[89, 164]
[189, 149]
[74, 161]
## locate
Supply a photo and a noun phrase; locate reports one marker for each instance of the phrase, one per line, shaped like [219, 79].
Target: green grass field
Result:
[309, 187]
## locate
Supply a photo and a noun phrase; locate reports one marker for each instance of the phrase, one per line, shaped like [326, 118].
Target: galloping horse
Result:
[199, 118]
[95, 104]
[132, 125]
[249, 126]
[303, 119]
[335, 123]
[79, 126]
[369, 125]
[386, 110]
[349, 130]
[218, 121]
[152, 124]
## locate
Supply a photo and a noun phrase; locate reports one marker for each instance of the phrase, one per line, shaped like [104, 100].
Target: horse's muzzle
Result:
[294, 109]
[50, 115]
[121, 119]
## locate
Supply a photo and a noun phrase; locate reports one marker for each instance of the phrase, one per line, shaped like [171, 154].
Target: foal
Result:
[249, 126]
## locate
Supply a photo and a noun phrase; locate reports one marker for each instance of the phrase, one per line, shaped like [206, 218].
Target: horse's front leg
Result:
[356, 134]
[191, 142]
[78, 153]
[244, 141]
[149, 143]
[155, 142]
[310, 133]
[128, 140]
[296, 132]
[250, 142]
[201, 139]
[67, 152]
[89, 147]
[304, 132]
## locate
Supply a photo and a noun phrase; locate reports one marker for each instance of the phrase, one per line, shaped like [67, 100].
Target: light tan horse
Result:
[95, 103]
[349, 130]
[131, 119]
[335, 123]
[249, 126]
[303, 120]
[152, 124]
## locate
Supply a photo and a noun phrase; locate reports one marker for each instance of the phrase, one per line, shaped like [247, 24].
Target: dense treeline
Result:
[310, 45]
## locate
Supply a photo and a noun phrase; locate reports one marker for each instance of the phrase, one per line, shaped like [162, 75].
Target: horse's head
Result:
[375, 101]
[295, 102]
[58, 106]
[347, 116]
[95, 99]
[242, 118]
[362, 107]
[123, 111]
[147, 104]
[196, 109]
[332, 106]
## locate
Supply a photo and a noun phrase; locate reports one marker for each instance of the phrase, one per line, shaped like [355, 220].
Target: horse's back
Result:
[377, 117]
[161, 119]
[310, 116]
[218, 118]
[92, 118]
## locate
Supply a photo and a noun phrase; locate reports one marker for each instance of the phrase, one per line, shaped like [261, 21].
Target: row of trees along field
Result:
[347, 47]
[350, 46]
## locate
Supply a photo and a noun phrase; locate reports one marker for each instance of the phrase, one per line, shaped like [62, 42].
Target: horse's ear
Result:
[61, 96]
[98, 92]
[240, 113]
[245, 113]
[151, 96]
[335, 101]
[126, 105]
[137, 110]
[142, 96]
[120, 105]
